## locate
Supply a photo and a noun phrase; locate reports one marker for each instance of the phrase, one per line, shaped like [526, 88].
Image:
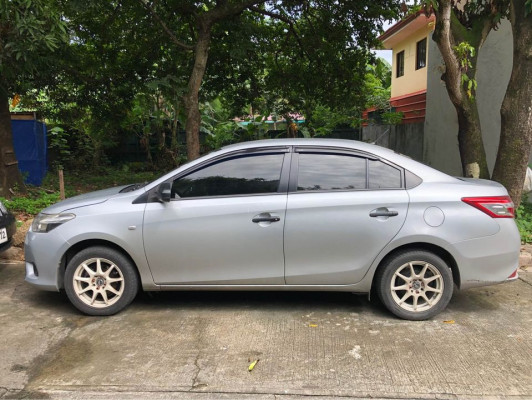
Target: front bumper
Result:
[43, 253]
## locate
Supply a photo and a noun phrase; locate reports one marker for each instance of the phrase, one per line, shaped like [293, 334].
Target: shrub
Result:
[524, 221]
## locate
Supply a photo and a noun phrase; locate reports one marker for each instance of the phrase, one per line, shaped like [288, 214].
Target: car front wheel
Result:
[100, 281]
[415, 284]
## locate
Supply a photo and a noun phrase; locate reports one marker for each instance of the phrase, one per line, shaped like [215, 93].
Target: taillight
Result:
[494, 206]
[514, 275]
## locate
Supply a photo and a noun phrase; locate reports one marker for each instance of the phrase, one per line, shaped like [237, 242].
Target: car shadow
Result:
[256, 300]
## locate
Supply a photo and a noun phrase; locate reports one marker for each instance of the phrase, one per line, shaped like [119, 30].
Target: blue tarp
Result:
[29, 141]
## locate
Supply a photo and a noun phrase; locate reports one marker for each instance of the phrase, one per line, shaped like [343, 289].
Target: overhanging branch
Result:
[286, 20]
[167, 30]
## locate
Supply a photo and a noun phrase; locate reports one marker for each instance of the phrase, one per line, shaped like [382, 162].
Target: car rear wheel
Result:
[415, 284]
[100, 281]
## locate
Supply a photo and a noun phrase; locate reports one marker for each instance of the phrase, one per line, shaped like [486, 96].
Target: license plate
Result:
[3, 235]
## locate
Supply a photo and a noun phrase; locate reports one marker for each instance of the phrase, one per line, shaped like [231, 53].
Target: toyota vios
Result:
[301, 214]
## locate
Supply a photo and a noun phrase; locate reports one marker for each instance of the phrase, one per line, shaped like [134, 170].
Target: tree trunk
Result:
[191, 99]
[471, 146]
[470, 143]
[516, 111]
[10, 176]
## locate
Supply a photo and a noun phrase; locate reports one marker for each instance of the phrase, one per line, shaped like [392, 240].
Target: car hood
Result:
[83, 200]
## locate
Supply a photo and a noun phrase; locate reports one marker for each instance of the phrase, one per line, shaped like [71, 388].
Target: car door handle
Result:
[383, 212]
[265, 218]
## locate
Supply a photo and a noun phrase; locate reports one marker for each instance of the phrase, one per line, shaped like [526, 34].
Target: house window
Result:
[400, 58]
[421, 54]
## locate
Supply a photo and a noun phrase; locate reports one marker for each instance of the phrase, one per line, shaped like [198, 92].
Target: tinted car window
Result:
[244, 175]
[331, 172]
[383, 176]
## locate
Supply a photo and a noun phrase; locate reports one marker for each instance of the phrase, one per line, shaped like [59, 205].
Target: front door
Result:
[224, 225]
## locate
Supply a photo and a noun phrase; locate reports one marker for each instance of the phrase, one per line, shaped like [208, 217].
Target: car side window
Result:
[383, 176]
[330, 172]
[237, 176]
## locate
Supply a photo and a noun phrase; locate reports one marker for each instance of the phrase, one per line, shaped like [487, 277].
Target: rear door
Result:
[342, 209]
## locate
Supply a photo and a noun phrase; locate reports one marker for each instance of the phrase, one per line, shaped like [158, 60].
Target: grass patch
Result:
[36, 199]
[32, 203]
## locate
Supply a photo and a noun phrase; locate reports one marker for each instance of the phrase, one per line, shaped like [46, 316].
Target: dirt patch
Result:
[16, 251]
[20, 234]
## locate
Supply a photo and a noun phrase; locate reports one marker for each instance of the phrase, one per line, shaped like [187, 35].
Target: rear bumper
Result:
[489, 260]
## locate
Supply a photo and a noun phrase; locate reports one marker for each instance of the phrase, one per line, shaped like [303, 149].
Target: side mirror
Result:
[164, 192]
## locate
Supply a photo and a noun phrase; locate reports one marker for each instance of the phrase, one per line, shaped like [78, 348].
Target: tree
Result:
[98, 77]
[297, 28]
[29, 33]
[200, 20]
[459, 35]
[516, 111]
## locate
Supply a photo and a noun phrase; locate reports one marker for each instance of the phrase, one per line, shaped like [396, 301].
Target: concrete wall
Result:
[441, 126]
[406, 139]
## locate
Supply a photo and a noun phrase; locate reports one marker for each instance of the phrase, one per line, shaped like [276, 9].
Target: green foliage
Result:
[528, 8]
[378, 88]
[465, 52]
[33, 203]
[325, 120]
[57, 137]
[82, 181]
[119, 75]
[223, 134]
[30, 30]
[392, 117]
[377, 83]
[524, 221]
[37, 199]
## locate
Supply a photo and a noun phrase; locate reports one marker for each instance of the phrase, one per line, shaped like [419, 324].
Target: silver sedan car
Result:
[292, 214]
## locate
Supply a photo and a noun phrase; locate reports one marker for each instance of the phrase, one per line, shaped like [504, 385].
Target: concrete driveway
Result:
[199, 346]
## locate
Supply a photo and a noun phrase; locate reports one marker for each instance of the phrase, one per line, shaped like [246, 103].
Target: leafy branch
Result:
[464, 53]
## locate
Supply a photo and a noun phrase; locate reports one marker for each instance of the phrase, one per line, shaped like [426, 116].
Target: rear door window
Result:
[383, 176]
[330, 172]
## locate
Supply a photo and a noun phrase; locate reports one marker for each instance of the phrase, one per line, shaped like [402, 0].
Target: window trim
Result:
[294, 169]
[402, 64]
[417, 54]
[281, 188]
[257, 151]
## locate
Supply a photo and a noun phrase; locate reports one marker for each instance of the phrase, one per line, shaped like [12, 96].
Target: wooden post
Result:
[61, 185]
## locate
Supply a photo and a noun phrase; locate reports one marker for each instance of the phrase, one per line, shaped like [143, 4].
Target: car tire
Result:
[101, 281]
[414, 284]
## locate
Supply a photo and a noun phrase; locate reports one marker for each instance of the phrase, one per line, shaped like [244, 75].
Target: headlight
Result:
[46, 222]
[3, 209]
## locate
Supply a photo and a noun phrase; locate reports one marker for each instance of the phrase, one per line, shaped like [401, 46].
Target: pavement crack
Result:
[522, 280]
[195, 383]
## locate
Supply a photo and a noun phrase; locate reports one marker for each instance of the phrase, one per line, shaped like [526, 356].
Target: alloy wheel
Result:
[98, 282]
[417, 286]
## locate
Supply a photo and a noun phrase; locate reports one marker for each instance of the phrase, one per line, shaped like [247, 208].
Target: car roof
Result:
[423, 171]
[352, 144]
[420, 169]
